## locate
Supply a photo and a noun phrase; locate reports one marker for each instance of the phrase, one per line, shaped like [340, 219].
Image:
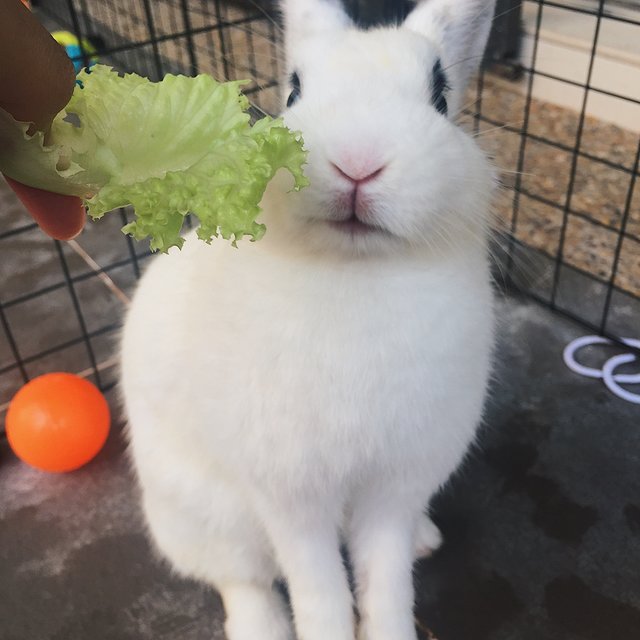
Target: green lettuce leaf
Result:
[167, 148]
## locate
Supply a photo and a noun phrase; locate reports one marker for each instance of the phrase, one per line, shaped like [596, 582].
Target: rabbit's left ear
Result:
[303, 18]
[460, 28]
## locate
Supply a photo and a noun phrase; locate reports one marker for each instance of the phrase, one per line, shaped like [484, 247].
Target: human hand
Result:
[36, 82]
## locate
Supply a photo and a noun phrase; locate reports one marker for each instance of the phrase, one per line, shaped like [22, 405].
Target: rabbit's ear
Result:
[307, 17]
[460, 28]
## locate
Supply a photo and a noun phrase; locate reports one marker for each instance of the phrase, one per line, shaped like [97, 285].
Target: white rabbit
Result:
[319, 386]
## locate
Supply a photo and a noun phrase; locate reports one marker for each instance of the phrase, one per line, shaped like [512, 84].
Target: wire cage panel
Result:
[229, 40]
[567, 217]
[572, 209]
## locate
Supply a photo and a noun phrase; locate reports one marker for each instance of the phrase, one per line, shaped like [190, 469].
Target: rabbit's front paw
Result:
[256, 614]
[428, 538]
[366, 631]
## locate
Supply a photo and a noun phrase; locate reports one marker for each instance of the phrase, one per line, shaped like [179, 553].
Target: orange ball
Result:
[57, 422]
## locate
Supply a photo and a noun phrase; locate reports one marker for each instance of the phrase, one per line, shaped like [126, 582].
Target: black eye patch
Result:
[295, 91]
[439, 87]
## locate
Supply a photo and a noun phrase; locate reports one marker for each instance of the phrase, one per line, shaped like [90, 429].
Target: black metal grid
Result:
[241, 39]
[555, 267]
[63, 304]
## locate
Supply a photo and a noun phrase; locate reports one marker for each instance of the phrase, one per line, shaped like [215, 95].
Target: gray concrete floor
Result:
[542, 525]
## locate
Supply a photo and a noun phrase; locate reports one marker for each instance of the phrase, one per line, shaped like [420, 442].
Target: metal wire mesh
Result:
[572, 212]
[61, 304]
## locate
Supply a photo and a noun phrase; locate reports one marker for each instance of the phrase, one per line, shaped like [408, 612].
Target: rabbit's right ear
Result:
[460, 28]
[303, 18]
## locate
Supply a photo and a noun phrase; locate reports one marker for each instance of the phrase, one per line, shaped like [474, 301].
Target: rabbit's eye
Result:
[295, 92]
[439, 87]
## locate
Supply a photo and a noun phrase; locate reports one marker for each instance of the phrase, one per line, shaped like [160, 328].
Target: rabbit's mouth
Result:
[353, 211]
[353, 225]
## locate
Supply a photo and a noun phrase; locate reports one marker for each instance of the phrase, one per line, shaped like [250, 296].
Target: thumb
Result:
[36, 81]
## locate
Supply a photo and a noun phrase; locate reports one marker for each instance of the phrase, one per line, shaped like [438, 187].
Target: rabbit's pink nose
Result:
[358, 176]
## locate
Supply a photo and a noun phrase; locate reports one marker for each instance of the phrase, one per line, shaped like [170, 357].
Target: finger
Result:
[59, 216]
[36, 75]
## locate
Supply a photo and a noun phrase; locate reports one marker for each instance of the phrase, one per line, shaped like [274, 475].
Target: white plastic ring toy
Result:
[607, 374]
[610, 379]
[590, 372]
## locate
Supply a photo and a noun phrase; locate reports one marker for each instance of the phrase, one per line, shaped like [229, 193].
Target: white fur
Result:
[318, 386]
